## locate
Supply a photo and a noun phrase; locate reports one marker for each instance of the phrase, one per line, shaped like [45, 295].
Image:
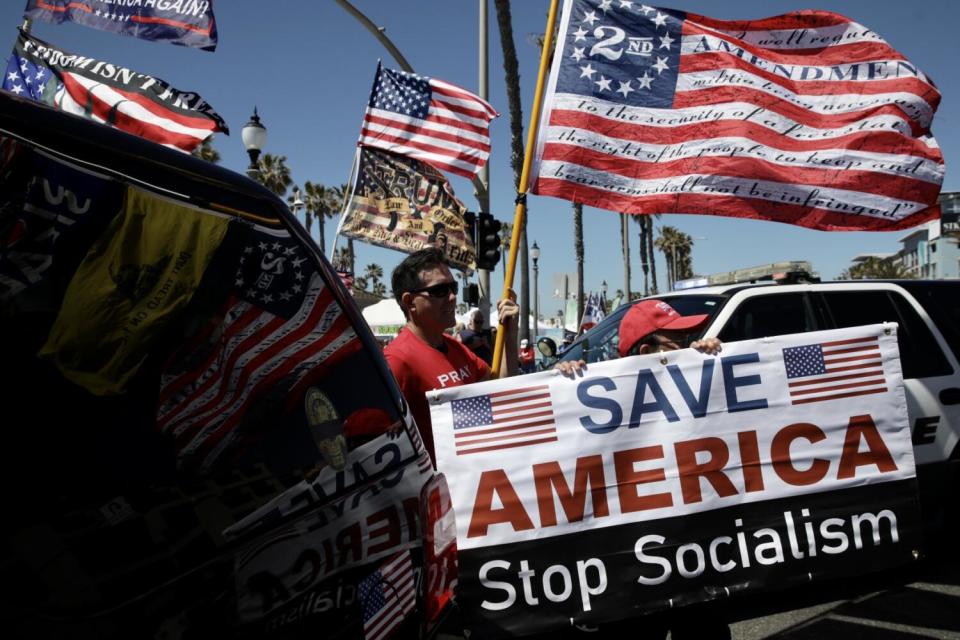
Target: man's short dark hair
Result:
[406, 275]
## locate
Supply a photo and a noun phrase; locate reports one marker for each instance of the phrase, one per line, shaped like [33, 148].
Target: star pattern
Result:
[403, 93]
[638, 69]
[29, 79]
[270, 274]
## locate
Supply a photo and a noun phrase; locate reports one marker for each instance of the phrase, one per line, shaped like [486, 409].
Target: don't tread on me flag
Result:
[807, 118]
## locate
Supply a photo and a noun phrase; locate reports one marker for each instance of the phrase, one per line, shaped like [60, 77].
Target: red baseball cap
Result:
[649, 316]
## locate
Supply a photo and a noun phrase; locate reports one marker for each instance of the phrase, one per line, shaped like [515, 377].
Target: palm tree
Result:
[578, 251]
[625, 244]
[379, 289]
[317, 200]
[875, 268]
[676, 247]
[342, 259]
[653, 261]
[373, 272]
[647, 260]
[338, 196]
[273, 173]
[206, 151]
[511, 75]
[360, 283]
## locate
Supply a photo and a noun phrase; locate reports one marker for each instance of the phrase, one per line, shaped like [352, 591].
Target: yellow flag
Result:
[137, 277]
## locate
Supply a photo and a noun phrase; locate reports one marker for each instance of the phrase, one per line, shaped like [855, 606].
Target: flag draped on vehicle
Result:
[189, 23]
[111, 94]
[429, 120]
[806, 118]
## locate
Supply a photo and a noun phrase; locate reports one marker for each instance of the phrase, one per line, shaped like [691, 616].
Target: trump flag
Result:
[807, 118]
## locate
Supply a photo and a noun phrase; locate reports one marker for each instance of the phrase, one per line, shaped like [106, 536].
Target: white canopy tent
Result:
[384, 317]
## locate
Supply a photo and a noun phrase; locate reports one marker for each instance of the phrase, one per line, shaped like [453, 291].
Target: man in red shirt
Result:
[422, 357]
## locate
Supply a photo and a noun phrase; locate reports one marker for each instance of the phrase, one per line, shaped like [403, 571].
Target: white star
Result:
[579, 34]
[603, 84]
[625, 88]
[285, 296]
[267, 297]
[238, 282]
[666, 41]
[39, 74]
[251, 293]
[14, 76]
[646, 9]
[645, 80]
[577, 53]
[587, 71]
[297, 262]
[296, 288]
[290, 251]
[262, 246]
[626, 4]
[661, 65]
[660, 20]
[604, 5]
[97, 12]
[276, 245]
[27, 79]
[590, 17]
[23, 66]
[248, 250]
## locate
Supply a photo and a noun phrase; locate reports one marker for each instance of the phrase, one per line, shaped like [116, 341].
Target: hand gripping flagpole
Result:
[521, 209]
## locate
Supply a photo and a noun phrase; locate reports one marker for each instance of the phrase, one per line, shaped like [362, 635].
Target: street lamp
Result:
[535, 254]
[254, 136]
[603, 288]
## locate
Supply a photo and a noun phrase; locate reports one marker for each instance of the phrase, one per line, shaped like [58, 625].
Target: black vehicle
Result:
[202, 436]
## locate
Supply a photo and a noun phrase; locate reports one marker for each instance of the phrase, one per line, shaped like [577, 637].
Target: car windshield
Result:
[601, 342]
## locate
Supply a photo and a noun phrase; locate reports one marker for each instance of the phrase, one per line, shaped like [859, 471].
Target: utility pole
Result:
[483, 195]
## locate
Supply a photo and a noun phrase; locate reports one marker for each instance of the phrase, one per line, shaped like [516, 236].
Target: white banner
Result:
[672, 434]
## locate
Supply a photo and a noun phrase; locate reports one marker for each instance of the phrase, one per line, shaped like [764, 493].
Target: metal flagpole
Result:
[521, 209]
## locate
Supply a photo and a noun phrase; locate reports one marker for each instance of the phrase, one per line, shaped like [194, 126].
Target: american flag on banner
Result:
[806, 118]
[429, 120]
[387, 596]
[503, 420]
[279, 330]
[833, 370]
[124, 99]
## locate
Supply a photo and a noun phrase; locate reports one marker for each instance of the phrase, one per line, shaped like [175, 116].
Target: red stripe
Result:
[504, 402]
[501, 416]
[452, 91]
[499, 429]
[863, 51]
[436, 118]
[725, 95]
[806, 19]
[421, 142]
[839, 395]
[815, 87]
[850, 359]
[507, 446]
[420, 133]
[861, 349]
[852, 180]
[731, 206]
[513, 392]
[125, 122]
[836, 343]
[879, 142]
[437, 103]
[384, 142]
[854, 367]
[831, 387]
[510, 436]
[849, 376]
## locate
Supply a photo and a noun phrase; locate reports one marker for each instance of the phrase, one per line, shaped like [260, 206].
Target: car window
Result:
[769, 315]
[920, 355]
[941, 300]
[182, 376]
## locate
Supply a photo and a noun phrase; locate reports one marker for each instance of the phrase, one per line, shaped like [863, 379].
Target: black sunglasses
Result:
[441, 290]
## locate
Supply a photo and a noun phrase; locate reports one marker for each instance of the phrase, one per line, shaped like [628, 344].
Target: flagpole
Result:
[347, 197]
[521, 209]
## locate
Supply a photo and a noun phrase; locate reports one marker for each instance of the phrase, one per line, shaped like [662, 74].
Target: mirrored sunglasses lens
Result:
[442, 290]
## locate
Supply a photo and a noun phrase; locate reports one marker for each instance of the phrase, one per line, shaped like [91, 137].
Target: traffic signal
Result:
[488, 241]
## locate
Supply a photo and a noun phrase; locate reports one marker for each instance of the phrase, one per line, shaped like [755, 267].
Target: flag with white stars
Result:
[806, 118]
[520, 417]
[280, 329]
[185, 23]
[429, 120]
[110, 94]
[834, 370]
[387, 596]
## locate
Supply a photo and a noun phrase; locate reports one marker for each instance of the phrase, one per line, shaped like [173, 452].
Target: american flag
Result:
[280, 329]
[429, 120]
[386, 596]
[593, 312]
[806, 118]
[503, 420]
[129, 101]
[833, 370]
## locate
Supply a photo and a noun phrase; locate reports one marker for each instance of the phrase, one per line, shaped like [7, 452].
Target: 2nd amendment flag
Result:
[136, 278]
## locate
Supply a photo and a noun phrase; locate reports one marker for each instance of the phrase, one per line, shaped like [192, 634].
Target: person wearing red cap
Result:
[651, 326]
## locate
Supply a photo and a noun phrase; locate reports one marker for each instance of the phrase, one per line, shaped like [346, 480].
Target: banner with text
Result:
[185, 22]
[404, 204]
[656, 481]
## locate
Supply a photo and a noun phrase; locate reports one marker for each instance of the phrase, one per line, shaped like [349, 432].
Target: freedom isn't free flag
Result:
[806, 118]
[122, 98]
[186, 22]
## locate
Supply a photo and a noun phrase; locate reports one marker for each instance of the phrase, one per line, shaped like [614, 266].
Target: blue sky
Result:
[308, 67]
